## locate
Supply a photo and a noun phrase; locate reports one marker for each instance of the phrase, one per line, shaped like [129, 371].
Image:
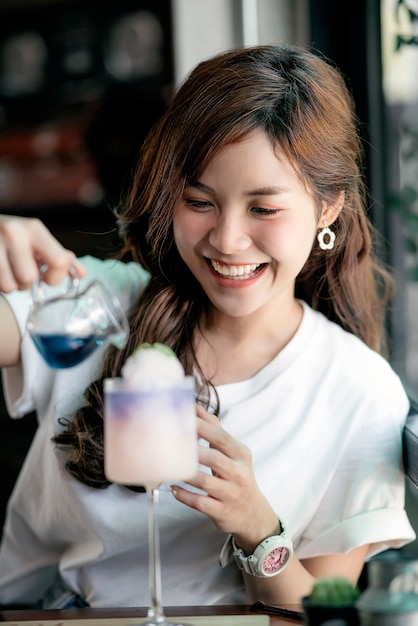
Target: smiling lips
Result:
[236, 272]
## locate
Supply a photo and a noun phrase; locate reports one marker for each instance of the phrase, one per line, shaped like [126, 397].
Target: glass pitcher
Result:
[67, 328]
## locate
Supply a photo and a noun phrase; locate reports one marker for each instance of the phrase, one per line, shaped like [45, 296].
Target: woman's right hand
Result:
[25, 246]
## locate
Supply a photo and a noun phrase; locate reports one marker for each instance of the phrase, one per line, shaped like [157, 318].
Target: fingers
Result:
[26, 245]
[203, 414]
[229, 461]
[197, 501]
[59, 267]
[225, 488]
[226, 457]
[210, 429]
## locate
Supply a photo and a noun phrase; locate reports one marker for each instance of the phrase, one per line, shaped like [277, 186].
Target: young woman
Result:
[251, 256]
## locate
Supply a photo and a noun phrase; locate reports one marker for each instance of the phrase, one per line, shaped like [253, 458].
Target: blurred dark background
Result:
[81, 83]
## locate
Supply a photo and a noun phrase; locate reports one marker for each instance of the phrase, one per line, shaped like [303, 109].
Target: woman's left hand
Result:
[233, 499]
[235, 504]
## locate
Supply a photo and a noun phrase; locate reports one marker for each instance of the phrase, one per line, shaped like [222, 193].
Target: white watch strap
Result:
[229, 550]
[245, 563]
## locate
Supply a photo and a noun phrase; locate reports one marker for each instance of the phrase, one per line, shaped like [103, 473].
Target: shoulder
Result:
[114, 270]
[342, 346]
[354, 369]
[126, 280]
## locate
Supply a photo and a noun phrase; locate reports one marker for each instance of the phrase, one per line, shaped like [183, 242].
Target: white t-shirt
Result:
[324, 423]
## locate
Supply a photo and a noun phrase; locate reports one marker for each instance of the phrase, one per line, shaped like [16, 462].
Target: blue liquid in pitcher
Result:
[62, 351]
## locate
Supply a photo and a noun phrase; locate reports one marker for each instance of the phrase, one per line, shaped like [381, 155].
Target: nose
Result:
[230, 234]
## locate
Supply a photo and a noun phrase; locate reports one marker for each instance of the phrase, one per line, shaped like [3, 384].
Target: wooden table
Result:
[63, 615]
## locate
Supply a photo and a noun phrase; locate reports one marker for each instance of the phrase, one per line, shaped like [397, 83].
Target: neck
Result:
[233, 349]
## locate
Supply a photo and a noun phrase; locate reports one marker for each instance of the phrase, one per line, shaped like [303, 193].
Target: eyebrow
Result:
[271, 190]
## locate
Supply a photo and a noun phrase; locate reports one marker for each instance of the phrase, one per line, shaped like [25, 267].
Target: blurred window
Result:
[400, 91]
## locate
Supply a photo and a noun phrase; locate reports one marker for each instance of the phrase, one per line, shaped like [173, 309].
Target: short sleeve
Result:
[365, 499]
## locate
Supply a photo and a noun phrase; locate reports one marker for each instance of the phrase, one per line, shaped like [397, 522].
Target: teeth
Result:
[235, 271]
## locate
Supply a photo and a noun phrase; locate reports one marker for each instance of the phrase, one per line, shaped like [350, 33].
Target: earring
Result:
[326, 233]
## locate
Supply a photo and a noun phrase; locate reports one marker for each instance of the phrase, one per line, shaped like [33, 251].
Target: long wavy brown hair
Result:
[302, 103]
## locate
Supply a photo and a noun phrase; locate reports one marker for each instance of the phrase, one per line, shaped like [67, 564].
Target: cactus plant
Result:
[333, 591]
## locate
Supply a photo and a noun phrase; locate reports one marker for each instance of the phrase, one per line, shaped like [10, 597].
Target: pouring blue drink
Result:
[62, 351]
[66, 329]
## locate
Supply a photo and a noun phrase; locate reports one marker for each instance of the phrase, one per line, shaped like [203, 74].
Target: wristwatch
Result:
[269, 558]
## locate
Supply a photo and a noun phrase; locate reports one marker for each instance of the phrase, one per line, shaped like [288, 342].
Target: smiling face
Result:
[246, 228]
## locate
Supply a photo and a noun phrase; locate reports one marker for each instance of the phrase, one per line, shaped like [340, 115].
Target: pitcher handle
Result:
[38, 293]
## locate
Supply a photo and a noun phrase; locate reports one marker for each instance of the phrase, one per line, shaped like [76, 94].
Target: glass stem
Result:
[155, 609]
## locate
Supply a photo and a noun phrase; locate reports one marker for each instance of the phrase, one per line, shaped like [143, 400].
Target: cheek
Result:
[188, 228]
[290, 241]
[179, 227]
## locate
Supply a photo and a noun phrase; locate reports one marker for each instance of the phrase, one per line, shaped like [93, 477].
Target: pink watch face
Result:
[275, 560]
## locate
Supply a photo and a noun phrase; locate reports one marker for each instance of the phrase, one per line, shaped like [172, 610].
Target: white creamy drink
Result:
[150, 420]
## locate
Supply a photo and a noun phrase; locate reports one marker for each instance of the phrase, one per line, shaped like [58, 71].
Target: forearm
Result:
[293, 578]
[287, 587]
[291, 582]
[9, 336]
[297, 579]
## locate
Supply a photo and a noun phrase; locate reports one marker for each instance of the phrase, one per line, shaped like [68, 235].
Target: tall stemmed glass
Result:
[150, 438]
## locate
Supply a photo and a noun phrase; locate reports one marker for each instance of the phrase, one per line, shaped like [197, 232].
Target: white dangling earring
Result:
[326, 233]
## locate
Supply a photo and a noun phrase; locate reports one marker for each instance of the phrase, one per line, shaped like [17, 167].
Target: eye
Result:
[263, 212]
[200, 205]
